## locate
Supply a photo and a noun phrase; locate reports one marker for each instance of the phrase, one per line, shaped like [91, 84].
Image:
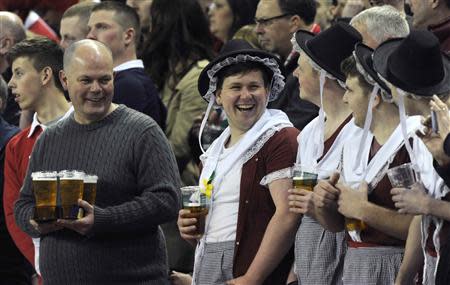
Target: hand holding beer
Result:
[187, 225]
[191, 220]
[351, 204]
[83, 225]
[301, 201]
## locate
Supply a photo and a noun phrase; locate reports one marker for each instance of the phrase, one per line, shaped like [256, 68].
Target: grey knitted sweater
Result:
[137, 191]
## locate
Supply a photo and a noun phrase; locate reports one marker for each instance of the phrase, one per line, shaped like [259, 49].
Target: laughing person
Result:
[249, 231]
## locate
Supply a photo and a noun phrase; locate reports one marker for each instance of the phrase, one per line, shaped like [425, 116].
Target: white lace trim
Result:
[276, 85]
[260, 143]
[278, 174]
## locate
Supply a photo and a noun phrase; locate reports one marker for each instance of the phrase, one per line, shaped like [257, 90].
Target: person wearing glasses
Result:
[276, 22]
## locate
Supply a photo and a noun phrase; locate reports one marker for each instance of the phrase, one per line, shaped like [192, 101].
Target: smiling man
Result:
[36, 87]
[137, 190]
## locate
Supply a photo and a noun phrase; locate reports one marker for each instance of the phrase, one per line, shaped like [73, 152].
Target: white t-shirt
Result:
[224, 214]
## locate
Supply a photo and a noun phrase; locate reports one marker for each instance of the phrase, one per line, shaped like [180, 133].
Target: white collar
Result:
[36, 122]
[135, 63]
[34, 125]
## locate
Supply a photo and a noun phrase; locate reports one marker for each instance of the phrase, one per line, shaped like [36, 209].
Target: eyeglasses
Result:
[264, 22]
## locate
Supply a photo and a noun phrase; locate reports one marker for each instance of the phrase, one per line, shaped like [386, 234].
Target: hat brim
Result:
[203, 82]
[363, 55]
[302, 38]
[380, 64]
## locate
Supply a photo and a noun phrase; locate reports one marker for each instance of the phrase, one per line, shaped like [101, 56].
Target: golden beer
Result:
[45, 191]
[71, 186]
[304, 183]
[197, 203]
[198, 212]
[90, 188]
[354, 225]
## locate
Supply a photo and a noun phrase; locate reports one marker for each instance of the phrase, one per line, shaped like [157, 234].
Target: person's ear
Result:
[295, 24]
[218, 97]
[129, 36]
[435, 3]
[63, 79]
[46, 75]
[6, 44]
[376, 101]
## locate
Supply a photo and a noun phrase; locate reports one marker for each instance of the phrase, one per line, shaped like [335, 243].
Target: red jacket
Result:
[17, 155]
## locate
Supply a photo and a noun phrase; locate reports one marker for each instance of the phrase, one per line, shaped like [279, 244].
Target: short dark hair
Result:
[125, 16]
[42, 52]
[305, 9]
[82, 10]
[348, 67]
[244, 68]
[448, 3]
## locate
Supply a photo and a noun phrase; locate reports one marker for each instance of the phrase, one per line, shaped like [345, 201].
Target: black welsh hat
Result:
[414, 64]
[234, 52]
[330, 47]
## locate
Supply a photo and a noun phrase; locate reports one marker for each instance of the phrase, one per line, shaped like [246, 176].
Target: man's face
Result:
[25, 83]
[142, 7]
[357, 99]
[89, 81]
[273, 35]
[423, 13]
[103, 28]
[244, 99]
[72, 30]
[308, 80]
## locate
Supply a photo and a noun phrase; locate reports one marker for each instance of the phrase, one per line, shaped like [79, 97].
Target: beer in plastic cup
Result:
[71, 185]
[304, 177]
[45, 192]
[197, 203]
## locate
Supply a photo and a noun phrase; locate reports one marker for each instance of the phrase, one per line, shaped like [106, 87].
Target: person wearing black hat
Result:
[249, 232]
[320, 144]
[416, 69]
[376, 244]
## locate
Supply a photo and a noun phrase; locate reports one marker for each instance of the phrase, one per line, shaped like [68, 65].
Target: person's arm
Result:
[355, 204]
[157, 176]
[24, 207]
[11, 191]
[416, 201]
[413, 257]
[278, 237]
[325, 202]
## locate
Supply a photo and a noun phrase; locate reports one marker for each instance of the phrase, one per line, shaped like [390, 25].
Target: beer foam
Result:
[90, 179]
[43, 178]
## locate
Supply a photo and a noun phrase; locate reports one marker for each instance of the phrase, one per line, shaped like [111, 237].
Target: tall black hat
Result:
[330, 47]
[415, 64]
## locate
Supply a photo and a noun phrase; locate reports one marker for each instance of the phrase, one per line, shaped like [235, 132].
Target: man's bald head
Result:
[86, 50]
[88, 78]
[11, 32]
[11, 25]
